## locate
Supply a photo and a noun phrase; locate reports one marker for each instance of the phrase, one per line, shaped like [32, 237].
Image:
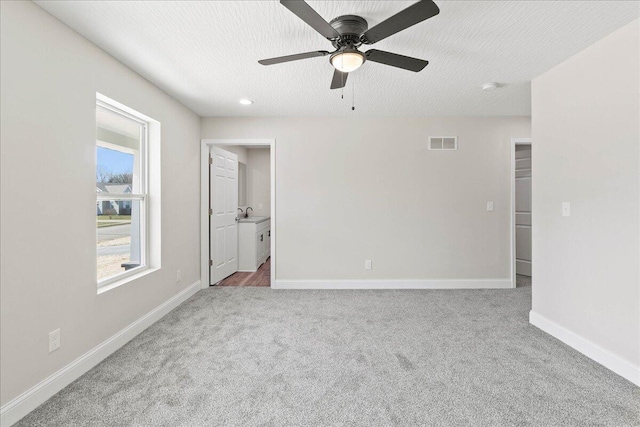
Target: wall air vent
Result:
[443, 143]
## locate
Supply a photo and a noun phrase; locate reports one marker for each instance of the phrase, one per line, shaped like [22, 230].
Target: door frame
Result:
[512, 214]
[205, 147]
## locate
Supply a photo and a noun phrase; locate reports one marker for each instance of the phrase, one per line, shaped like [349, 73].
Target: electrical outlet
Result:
[367, 264]
[260, 206]
[54, 340]
[489, 206]
[566, 209]
[178, 275]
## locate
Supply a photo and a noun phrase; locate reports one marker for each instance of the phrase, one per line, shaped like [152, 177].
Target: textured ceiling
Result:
[205, 53]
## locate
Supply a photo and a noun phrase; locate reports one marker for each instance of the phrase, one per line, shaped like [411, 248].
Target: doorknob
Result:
[237, 218]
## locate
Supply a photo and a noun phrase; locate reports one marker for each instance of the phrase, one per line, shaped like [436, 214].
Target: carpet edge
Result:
[20, 406]
[396, 284]
[593, 351]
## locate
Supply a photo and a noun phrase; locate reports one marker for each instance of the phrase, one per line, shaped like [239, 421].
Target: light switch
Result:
[260, 206]
[489, 206]
[566, 209]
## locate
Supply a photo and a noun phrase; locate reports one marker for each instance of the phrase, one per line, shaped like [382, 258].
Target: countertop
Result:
[254, 219]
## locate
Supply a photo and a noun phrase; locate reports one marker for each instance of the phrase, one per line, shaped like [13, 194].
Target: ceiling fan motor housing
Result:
[350, 28]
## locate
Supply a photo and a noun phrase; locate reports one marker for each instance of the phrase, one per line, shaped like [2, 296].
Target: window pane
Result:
[116, 168]
[118, 236]
[118, 152]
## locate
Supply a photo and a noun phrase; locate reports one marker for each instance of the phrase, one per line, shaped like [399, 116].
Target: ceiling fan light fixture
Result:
[347, 61]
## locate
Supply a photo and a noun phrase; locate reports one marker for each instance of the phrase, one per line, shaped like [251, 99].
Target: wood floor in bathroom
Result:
[262, 277]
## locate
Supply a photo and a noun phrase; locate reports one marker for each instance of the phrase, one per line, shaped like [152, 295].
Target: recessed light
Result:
[490, 86]
[246, 102]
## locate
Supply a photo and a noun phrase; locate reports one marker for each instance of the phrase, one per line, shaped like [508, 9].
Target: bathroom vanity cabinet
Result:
[254, 242]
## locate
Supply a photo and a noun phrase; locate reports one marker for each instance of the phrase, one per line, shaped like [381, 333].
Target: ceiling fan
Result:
[348, 32]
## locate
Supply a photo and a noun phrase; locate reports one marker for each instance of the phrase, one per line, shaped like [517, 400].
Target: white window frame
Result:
[143, 197]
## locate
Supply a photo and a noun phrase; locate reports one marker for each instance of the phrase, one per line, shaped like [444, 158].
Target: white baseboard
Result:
[590, 349]
[394, 284]
[17, 408]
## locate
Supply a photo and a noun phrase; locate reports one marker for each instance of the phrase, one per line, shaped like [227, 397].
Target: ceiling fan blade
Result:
[339, 79]
[295, 57]
[305, 12]
[418, 12]
[395, 60]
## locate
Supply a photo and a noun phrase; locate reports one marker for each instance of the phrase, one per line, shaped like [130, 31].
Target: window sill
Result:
[125, 280]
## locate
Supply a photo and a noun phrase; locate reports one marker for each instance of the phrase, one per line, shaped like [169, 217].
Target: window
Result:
[122, 200]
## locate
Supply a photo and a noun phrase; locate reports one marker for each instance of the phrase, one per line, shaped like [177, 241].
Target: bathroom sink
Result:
[254, 219]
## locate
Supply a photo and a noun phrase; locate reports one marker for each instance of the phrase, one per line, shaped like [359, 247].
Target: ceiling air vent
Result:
[443, 143]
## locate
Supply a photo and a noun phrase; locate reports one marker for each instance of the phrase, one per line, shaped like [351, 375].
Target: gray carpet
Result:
[522, 281]
[256, 356]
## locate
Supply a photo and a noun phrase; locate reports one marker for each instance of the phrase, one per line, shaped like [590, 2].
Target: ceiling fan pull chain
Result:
[353, 95]
[342, 77]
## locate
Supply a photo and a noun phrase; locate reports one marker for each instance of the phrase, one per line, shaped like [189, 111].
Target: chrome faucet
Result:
[246, 215]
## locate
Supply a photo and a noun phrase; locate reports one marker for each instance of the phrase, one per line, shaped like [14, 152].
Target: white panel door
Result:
[223, 225]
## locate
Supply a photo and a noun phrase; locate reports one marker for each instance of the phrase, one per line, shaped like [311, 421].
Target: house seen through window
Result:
[121, 193]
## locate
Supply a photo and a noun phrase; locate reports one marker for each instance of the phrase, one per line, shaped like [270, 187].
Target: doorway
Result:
[238, 207]
[521, 157]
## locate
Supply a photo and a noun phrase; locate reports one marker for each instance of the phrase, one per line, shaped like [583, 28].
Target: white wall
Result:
[356, 189]
[49, 79]
[259, 178]
[586, 124]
